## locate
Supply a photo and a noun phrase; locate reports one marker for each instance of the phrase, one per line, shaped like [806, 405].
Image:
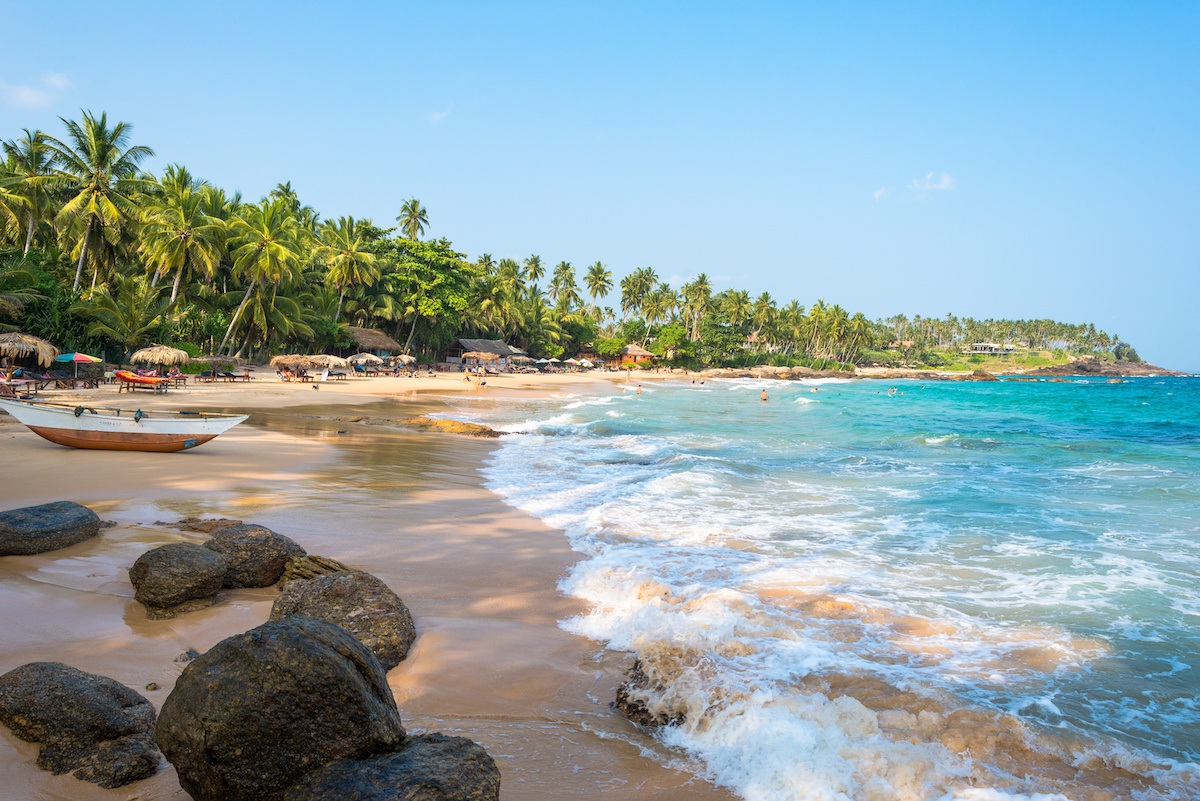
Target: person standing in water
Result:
[764, 396]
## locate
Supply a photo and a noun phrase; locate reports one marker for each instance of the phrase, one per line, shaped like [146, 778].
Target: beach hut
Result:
[371, 341]
[635, 354]
[460, 349]
[20, 346]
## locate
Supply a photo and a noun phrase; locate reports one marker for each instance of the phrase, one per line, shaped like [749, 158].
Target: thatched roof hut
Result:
[374, 341]
[491, 350]
[19, 345]
[635, 354]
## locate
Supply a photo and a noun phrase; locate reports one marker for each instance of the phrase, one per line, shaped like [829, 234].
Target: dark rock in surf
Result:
[176, 578]
[633, 695]
[256, 554]
[261, 710]
[89, 724]
[431, 767]
[47, 527]
[358, 602]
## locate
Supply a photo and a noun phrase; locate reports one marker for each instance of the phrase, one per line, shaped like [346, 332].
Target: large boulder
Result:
[48, 527]
[257, 555]
[358, 602]
[259, 711]
[89, 724]
[177, 577]
[431, 767]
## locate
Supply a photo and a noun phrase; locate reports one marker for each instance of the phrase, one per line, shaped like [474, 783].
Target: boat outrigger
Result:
[119, 429]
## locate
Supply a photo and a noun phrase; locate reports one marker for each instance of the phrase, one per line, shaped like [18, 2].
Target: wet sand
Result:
[490, 662]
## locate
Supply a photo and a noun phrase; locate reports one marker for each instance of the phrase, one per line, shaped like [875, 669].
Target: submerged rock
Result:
[89, 724]
[632, 696]
[256, 554]
[431, 767]
[171, 578]
[453, 427]
[47, 527]
[260, 710]
[358, 602]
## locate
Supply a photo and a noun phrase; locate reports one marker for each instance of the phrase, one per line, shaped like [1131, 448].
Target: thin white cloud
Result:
[39, 95]
[880, 194]
[932, 182]
[56, 80]
[438, 116]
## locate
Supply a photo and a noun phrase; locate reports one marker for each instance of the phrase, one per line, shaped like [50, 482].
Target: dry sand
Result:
[490, 662]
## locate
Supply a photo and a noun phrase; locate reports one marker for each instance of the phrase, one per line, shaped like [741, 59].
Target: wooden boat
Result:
[119, 429]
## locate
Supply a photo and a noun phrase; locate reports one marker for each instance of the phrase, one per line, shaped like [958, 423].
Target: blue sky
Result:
[986, 159]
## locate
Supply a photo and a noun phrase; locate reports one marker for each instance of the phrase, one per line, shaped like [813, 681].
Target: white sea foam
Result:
[744, 567]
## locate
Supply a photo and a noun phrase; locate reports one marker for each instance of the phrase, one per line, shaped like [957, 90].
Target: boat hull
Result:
[120, 430]
[125, 441]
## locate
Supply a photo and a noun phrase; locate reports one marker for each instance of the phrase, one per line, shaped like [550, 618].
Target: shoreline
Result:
[480, 577]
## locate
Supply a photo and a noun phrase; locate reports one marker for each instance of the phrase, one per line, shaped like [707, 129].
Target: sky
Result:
[1004, 160]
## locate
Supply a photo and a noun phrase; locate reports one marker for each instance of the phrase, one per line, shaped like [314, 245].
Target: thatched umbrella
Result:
[293, 361]
[404, 358]
[160, 354]
[21, 345]
[365, 357]
[325, 360]
[482, 356]
[519, 359]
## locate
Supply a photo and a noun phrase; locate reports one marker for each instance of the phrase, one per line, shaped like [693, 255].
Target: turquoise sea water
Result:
[857, 594]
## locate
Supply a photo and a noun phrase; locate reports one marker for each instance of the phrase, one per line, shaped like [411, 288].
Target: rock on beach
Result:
[256, 555]
[261, 710]
[358, 602]
[47, 527]
[89, 724]
[169, 576]
[431, 767]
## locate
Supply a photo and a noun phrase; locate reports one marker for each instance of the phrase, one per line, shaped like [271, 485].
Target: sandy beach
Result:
[490, 662]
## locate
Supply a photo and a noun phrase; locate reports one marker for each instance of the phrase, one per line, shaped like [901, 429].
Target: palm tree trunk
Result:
[29, 234]
[178, 281]
[237, 315]
[337, 314]
[82, 254]
[412, 332]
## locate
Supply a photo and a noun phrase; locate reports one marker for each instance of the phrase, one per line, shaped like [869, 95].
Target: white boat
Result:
[119, 429]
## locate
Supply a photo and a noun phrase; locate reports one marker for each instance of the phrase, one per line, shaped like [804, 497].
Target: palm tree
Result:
[598, 281]
[412, 218]
[534, 269]
[266, 250]
[12, 205]
[177, 235]
[349, 264]
[697, 296]
[100, 172]
[130, 315]
[32, 174]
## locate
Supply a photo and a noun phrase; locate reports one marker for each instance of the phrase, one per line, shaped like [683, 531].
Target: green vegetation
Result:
[174, 259]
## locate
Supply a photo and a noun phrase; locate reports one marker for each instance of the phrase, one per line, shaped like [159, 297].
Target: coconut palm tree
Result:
[412, 218]
[534, 269]
[177, 236]
[99, 170]
[598, 281]
[12, 204]
[265, 250]
[130, 313]
[32, 176]
[697, 297]
[343, 252]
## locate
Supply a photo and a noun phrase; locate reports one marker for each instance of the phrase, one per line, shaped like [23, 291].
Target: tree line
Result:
[96, 252]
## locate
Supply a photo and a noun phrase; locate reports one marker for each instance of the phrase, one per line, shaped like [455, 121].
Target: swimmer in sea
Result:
[764, 396]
